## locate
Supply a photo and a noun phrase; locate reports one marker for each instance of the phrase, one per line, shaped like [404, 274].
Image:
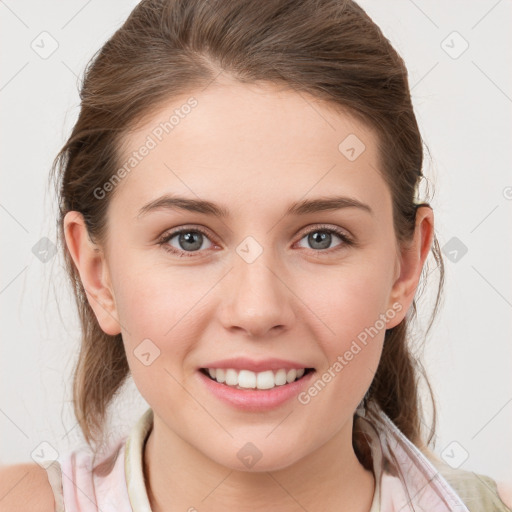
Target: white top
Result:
[405, 479]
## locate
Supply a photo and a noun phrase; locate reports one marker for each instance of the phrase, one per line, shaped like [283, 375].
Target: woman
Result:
[241, 223]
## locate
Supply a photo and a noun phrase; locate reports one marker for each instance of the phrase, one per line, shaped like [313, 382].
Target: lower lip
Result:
[256, 399]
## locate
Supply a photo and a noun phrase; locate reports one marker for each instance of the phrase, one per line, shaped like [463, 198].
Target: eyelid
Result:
[327, 227]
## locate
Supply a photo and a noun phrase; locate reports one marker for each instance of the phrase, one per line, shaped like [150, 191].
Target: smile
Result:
[247, 379]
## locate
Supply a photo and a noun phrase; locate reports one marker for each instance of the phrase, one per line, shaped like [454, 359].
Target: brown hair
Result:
[330, 49]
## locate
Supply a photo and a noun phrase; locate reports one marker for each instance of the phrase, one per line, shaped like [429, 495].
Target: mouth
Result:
[249, 380]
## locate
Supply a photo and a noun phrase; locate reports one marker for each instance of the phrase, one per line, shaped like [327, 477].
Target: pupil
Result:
[191, 237]
[325, 239]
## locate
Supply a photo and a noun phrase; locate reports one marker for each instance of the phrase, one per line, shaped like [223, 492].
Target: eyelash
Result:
[347, 241]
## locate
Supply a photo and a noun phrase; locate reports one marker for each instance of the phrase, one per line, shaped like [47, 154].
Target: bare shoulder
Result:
[25, 487]
[505, 492]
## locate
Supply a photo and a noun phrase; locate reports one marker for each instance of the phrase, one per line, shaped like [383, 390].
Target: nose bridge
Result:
[258, 299]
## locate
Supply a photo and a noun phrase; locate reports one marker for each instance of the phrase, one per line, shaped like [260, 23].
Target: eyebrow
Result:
[169, 202]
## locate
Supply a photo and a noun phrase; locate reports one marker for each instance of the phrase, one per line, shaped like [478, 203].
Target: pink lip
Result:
[256, 400]
[243, 363]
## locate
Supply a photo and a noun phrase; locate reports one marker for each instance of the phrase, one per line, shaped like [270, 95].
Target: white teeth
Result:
[247, 379]
[291, 376]
[231, 377]
[265, 380]
[280, 377]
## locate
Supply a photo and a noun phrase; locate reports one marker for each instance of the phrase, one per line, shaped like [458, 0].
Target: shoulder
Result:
[479, 492]
[25, 487]
[505, 493]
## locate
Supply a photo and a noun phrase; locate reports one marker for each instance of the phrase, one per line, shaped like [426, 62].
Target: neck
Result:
[329, 479]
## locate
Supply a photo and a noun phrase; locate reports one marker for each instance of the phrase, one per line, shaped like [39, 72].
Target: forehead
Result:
[247, 145]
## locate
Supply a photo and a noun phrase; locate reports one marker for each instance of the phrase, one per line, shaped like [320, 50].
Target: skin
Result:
[254, 150]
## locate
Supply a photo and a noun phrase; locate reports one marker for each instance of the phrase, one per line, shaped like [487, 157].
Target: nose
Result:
[256, 299]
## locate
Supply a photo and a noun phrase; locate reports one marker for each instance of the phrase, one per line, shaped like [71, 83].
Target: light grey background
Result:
[463, 105]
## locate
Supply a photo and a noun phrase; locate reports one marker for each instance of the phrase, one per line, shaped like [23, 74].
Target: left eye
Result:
[322, 238]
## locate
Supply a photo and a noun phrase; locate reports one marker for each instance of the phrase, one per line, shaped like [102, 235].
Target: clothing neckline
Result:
[134, 465]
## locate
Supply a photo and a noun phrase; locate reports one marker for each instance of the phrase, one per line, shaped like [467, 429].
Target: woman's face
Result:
[268, 286]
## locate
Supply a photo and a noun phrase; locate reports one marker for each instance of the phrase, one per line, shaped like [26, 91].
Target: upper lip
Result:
[244, 363]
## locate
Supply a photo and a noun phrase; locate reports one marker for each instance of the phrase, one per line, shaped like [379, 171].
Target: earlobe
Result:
[412, 259]
[90, 262]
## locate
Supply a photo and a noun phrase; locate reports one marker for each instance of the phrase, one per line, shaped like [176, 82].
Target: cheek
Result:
[158, 330]
[160, 314]
[351, 335]
[350, 303]
[152, 300]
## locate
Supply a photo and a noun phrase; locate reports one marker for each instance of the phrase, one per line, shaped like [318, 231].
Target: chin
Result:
[249, 458]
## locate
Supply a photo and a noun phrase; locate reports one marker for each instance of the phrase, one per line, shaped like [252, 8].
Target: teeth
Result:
[280, 377]
[265, 380]
[291, 376]
[231, 377]
[246, 379]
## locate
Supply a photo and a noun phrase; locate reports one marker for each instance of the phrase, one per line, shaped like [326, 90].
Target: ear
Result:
[90, 262]
[412, 258]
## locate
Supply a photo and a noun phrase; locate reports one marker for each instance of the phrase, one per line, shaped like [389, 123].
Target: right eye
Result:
[188, 241]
